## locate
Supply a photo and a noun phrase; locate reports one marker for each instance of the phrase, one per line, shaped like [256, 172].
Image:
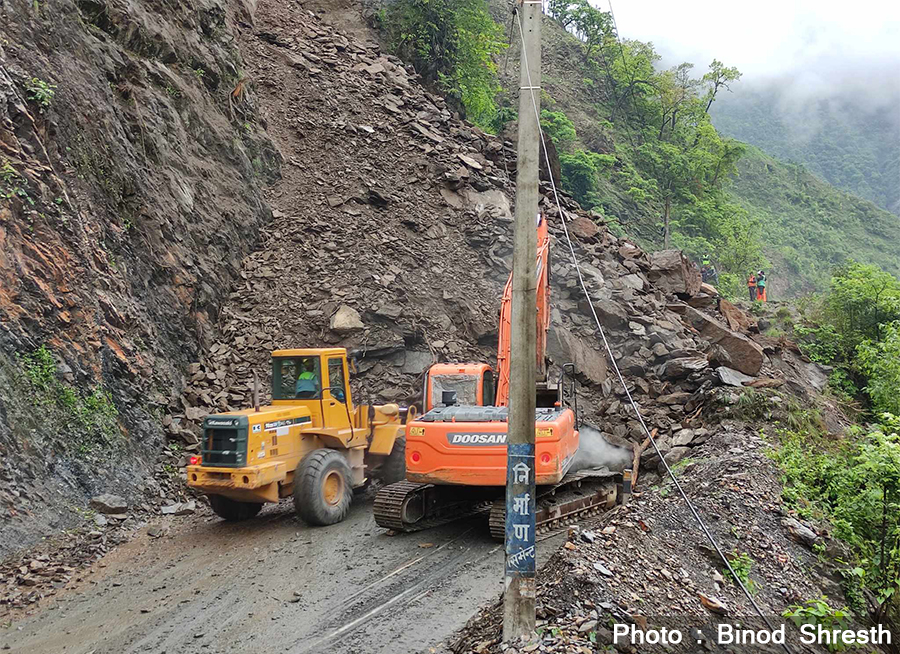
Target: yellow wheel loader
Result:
[311, 443]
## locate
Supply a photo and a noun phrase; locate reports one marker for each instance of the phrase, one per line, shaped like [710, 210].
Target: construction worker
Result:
[307, 382]
[761, 286]
[751, 286]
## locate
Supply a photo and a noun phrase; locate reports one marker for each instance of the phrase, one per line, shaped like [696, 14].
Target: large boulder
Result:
[583, 227]
[346, 320]
[737, 320]
[683, 366]
[109, 504]
[672, 272]
[565, 347]
[731, 377]
[738, 351]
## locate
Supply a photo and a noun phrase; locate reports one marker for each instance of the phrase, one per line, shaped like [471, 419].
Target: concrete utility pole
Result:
[518, 599]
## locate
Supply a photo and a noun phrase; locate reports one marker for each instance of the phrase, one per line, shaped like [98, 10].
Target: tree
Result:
[558, 127]
[670, 166]
[880, 362]
[562, 11]
[861, 299]
[718, 77]
[451, 43]
[579, 174]
[591, 25]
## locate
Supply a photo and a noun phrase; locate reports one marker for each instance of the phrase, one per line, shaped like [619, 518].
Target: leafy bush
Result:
[860, 300]
[742, 564]
[580, 172]
[452, 44]
[41, 92]
[880, 362]
[817, 612]
[856, 485]
[821, 343]
[558, 127]
[93, 416]
[856, 328]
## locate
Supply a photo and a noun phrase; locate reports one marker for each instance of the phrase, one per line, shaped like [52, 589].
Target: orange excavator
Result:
[456, 450]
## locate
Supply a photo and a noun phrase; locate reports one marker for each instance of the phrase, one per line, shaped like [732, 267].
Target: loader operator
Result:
[307, 382]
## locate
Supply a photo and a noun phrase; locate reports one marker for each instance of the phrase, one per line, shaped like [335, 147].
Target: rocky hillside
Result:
[390, 232]
[233, 179]
[132, 162]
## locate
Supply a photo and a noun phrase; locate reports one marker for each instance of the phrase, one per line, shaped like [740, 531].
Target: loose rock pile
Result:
[392, 234]
[648, 565]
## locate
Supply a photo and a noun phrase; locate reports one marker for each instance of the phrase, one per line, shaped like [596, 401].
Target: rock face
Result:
[141, 193]
[674, 273]
[738, 351]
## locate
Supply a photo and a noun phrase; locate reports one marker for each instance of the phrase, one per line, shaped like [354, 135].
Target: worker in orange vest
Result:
[751, 286]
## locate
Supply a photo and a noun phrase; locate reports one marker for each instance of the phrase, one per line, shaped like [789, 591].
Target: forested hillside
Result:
[847, 141]
[637, 145]
[808, 226]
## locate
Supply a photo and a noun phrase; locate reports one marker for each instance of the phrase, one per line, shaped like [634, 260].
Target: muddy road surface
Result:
[273, 584]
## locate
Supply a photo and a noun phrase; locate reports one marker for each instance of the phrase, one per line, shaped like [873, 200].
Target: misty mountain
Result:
[843, 138]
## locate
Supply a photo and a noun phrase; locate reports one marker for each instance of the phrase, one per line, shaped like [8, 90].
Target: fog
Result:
[811, 49]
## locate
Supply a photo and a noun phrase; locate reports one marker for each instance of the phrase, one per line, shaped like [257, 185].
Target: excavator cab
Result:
[468, 384]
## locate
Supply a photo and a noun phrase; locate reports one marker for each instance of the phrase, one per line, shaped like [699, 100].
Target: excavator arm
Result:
[543, 316]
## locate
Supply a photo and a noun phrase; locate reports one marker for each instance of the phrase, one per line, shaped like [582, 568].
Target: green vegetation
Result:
[808, 226]
[40, 92]
[637, 145]
[855, 327]
[742, 564]
[452, 45]
[855, 484]
[13, 185]
[817, 612]
[92, 416]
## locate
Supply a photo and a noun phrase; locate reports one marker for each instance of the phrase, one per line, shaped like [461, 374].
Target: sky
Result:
[816, 46]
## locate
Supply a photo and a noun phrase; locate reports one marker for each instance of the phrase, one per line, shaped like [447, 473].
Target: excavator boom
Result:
[543, 317]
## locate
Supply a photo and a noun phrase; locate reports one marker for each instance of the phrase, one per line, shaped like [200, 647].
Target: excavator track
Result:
[577, 496]
[409, 506]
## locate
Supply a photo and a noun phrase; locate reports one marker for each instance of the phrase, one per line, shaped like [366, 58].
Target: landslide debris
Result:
[646, 564]
[390, 233]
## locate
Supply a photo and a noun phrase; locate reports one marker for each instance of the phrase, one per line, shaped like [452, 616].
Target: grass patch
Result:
[91, 415]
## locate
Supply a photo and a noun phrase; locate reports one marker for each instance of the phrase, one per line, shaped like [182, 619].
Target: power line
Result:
[612, 360]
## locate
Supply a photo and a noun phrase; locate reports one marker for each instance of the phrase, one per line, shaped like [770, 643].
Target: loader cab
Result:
[315, 378]
[472, 384]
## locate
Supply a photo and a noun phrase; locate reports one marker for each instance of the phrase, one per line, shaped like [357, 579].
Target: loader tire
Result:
[394, 469]
[322, 488]
[233, 510]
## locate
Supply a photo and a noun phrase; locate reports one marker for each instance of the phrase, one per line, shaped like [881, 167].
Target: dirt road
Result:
[274, 584]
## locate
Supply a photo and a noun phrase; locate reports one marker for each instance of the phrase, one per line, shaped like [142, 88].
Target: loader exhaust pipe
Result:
[255, 392]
